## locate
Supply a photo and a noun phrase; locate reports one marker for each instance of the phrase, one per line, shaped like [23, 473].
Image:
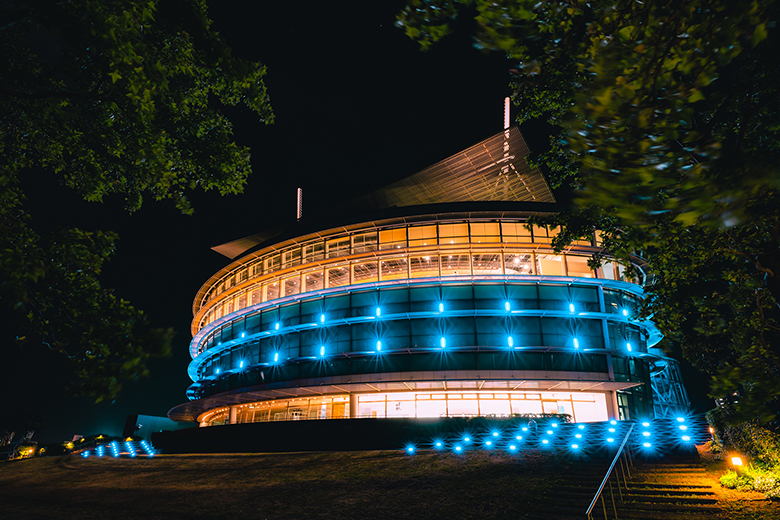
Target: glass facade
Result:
[439, 317]
[394, 254]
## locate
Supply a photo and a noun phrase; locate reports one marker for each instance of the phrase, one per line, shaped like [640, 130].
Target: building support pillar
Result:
[612, 404]
[353, 405]
[233, 415]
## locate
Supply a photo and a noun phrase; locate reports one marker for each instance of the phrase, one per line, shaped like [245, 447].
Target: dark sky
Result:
[357, 105]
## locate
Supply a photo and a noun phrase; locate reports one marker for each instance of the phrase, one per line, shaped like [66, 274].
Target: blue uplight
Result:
[613, 422]
[378, 345]
[646, 444]
[322, 318]
[645, 424]
[276, 357]
[612, 430]
[575, 446]
[378, 311]
[681, 419]
[686, 438]
[276, 326]
[488, 443]
[443, 342]
[438, 444]
[628, 347]
[578, 436]
[576, 343]
[243, 334]
[683, 427]
[571, 307]
[495, 434]
[457, 448]
[625, 312]
[545, 441]
[85, 454]
[555, 425]
[410, 449]
[467, 439]
[581, 426]
[524, 428]
[217, 371]
[241, 364]
[441, 307]
[510, 341]
[322, 351]
[512, 447]
[610, 439]
[507, 306]
[646, 434]
[519, 437]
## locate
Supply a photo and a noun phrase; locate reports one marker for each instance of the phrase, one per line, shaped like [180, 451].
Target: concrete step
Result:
[659, 499]
[677, 508]
[636, 490]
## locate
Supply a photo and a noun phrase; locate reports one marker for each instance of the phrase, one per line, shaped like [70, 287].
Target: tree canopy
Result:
[664, 124]
[111, 97]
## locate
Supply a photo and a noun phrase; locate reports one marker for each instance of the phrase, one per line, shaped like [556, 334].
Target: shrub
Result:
[730, 479]
[764, 483]
[754, 440]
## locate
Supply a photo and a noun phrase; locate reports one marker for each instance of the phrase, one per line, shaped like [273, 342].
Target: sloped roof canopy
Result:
[493, 170]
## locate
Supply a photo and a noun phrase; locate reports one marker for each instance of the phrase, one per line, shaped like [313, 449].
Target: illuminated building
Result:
[445, 305]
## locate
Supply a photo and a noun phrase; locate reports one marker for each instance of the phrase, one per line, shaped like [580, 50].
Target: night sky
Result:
[357, 106]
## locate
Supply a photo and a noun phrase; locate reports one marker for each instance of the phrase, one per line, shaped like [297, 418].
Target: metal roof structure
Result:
[492, 170]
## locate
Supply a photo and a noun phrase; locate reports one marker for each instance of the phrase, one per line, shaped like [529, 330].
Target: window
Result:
[366, 272]
[364, 243]
[549, 265]
[425, 266]
[338, 277]
[273, 263]
[291, 257]
[255, 296]
[453, 233]
[314, 281]
[272, 291]
[313, 252]
[292, 285]
[394, 268]
[482, 232]
[392, 239]
[455, 264]
[338, 247]
[515, 232]
[422, 236]
[578, 266]
[486, 263]
[518, 263]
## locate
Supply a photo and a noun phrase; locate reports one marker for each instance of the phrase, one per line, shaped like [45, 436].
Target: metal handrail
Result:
[606, 479]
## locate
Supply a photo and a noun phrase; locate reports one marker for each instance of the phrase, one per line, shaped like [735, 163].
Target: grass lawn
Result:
[375, 484]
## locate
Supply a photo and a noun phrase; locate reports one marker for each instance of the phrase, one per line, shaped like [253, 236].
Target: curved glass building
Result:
[447, 305]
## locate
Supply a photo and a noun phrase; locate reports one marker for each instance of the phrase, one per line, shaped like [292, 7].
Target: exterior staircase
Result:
[672, 487]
